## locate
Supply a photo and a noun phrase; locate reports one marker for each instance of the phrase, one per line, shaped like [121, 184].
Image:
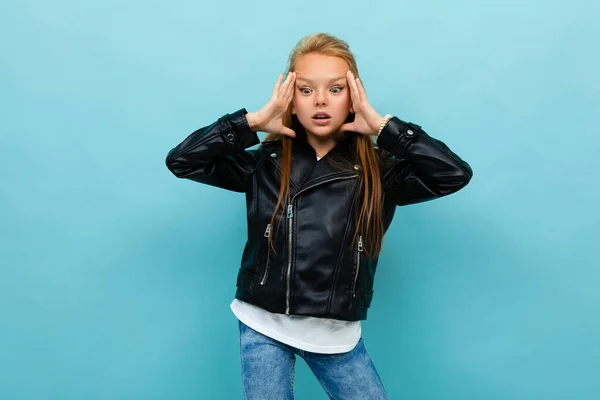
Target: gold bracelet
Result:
[384, 122]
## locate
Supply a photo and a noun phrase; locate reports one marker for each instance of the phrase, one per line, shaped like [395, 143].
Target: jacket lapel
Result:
[339, 162]
[307, 171]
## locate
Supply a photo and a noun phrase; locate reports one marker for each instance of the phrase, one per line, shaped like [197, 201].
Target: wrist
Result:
[253, 121]
[382, 123]
[374, 124]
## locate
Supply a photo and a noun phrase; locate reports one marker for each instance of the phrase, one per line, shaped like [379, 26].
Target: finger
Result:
[356, 91]
[293, 86]
[290, 88]
[277, 85]
[288, 79]
[290, 96]
[361, 89]
[346, 127]
[288, 132]
[353, 90]
[287, 96]
[281, 86]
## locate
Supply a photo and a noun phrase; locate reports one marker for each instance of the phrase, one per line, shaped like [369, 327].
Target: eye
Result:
[335, 87]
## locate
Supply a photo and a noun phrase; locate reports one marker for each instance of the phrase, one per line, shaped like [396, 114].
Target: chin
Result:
[323, 131]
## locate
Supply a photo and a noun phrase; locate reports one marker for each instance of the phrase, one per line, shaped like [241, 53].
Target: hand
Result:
[366, 119]
[269, 119]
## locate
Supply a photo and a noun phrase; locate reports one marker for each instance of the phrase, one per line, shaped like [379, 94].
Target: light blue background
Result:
[116, 277]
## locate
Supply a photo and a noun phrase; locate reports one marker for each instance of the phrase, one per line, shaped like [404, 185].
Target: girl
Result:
[321, 191]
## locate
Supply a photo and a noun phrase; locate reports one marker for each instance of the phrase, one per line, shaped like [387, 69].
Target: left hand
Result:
[366, 119]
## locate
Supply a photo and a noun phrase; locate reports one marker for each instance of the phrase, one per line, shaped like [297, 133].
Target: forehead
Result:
[317, 67]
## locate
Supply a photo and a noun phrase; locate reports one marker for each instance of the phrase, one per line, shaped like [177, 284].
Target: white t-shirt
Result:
[317, 335]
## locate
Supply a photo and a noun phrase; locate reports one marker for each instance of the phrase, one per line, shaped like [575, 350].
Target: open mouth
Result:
[321, 120]
[321, 115]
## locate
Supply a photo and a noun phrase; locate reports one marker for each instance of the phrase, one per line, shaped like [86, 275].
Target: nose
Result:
[321, 99]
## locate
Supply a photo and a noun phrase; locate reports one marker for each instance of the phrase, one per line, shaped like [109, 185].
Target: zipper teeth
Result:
[267, 234]
[290, 215]
[360, 249]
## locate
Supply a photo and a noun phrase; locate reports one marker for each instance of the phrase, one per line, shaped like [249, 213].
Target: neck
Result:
[323, 145]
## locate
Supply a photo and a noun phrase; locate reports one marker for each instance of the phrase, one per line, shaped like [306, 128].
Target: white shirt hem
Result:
[293, 342]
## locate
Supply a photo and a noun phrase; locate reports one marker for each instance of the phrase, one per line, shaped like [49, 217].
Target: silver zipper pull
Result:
[360, 243]
[268, 231]
[290, 214]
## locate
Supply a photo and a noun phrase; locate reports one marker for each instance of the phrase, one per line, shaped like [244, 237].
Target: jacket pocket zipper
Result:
[267, 235]
[360, 249]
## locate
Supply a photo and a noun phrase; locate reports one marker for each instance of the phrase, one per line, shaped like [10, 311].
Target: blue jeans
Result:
[268, 369]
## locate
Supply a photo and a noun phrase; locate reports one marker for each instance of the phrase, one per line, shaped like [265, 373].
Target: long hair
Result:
[368, 219]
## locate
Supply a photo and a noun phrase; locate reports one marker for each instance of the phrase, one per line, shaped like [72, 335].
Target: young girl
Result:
[321, 191]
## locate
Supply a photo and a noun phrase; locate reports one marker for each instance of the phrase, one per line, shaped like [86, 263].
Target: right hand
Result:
[269, 119]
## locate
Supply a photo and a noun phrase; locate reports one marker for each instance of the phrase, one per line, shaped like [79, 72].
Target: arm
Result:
[417, 167]
[215, 154]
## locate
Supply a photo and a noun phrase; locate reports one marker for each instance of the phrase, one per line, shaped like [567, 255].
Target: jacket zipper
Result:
[360, 249]
[290, 216]
[267, 235]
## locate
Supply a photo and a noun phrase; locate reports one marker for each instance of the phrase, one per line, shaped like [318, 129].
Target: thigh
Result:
[267, 366]
[348, 376]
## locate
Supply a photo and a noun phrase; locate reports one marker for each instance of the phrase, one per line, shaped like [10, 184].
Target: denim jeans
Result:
[267, 367]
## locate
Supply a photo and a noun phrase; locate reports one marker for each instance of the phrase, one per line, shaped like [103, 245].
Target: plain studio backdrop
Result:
[116, 277]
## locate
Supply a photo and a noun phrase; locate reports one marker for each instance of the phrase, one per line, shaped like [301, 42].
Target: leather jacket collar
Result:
[340, 161]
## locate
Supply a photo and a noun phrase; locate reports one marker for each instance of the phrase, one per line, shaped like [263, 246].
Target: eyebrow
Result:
[331, 80]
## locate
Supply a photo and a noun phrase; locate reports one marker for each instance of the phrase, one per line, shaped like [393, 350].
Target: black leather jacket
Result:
[317, 271]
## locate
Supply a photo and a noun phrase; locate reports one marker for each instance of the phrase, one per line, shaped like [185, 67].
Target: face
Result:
[321, 85]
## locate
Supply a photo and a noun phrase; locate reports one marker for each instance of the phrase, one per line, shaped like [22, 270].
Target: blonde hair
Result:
[369, 219]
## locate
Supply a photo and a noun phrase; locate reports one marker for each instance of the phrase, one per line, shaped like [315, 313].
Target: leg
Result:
[347, 376]
[267, 366]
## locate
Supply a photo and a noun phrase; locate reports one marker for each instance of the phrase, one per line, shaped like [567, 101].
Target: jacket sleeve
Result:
[418, 167]
[216, 155]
